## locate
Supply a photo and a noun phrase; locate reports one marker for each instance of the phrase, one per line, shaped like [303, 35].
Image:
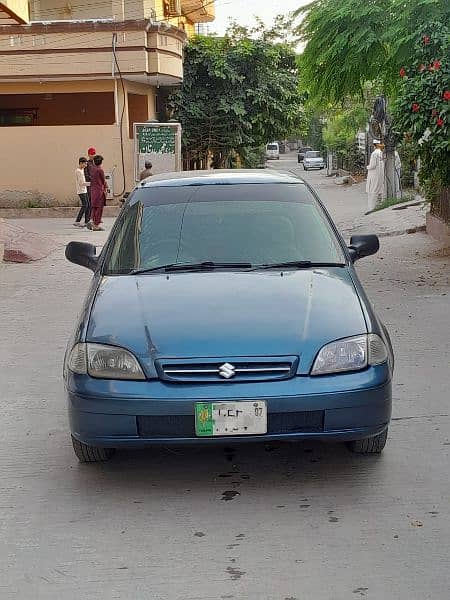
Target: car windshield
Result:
[272, 147]
[227, 225]
[312, 155]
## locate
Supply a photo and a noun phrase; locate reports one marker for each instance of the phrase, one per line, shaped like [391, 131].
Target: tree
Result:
[422, 109]
[340, 133]
[238, 94]
[349, 42]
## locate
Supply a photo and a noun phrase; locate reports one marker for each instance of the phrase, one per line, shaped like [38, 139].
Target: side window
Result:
[125, 244]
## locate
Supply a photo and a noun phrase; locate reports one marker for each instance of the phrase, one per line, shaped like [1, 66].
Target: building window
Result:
[18, 117]
[52, 108]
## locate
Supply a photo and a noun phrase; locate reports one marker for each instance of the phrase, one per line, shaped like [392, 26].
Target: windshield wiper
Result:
[296, 264]
[202, 266]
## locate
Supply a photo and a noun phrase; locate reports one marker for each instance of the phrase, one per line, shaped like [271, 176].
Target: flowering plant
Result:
[422, 108]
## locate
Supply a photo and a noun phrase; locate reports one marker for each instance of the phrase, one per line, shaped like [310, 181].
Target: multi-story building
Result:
[77, 75]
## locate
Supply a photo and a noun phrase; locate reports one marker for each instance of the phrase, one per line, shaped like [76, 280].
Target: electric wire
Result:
[114, 38]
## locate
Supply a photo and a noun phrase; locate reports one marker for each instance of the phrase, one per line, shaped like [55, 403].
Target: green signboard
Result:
[158, 143]
[156, 140]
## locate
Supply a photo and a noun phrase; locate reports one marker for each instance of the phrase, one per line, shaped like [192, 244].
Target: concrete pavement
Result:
[293, 522]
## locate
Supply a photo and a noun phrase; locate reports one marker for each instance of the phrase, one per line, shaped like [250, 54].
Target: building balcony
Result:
[149, 53]
[198, 11]
[13, 11]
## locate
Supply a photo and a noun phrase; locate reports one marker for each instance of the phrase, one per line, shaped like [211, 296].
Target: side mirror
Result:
[82, 254]
[363, 245]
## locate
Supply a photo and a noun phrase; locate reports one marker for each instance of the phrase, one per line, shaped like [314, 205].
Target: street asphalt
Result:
[289, 522]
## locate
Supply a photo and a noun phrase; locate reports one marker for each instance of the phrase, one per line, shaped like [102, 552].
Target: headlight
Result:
[350, 354]
[104, 362]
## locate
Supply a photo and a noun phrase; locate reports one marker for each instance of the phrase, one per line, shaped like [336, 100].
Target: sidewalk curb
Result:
[403, 231]
[55, 212]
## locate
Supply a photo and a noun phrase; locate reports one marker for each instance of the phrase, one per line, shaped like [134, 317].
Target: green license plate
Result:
[230, 418]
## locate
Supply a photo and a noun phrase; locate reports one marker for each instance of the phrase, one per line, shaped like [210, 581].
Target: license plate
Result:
[230, 418]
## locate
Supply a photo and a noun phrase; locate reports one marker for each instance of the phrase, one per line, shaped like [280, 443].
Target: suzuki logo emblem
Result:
[227, 371]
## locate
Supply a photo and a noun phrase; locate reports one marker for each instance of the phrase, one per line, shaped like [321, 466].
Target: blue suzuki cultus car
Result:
[225, 307]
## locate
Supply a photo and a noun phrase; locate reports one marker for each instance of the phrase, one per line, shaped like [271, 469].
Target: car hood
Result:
[226, 314]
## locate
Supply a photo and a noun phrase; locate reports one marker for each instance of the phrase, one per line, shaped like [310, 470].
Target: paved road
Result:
[304, 522]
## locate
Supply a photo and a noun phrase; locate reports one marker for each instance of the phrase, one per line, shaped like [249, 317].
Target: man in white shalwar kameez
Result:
[375, 176]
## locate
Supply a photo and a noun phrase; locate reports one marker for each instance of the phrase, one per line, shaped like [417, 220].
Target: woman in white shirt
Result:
[81, 186]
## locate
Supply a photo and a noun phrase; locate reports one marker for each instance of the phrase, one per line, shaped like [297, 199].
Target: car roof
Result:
[219, 177]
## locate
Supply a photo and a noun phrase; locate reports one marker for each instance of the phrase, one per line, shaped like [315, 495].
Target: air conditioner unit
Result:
[174, 8]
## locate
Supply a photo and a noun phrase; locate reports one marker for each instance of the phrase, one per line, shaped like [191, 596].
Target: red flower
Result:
[436, 65]
[439, 122]
[402, 72]
[426, 40]
[446, 95]
[421, 68]
[415, 107]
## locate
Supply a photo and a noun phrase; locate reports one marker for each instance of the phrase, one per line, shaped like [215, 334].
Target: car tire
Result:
[372, 445]
[88, 454]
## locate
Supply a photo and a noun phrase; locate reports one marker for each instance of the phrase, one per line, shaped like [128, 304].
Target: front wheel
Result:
[89, 454]
[372, 445]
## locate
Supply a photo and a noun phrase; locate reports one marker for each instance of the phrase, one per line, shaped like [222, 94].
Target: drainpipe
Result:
[113, 75]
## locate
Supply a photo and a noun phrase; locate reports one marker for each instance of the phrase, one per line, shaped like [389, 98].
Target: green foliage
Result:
[238, 94]
[343, 126]
[314, 130]
[340, 133]
[388, 202]
[344, 46]
[349, 42]
[422, 109]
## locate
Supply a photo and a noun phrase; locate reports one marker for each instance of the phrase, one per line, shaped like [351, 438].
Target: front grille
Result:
[168, 426]
[224, 371]
[183, 426]
[295, 422]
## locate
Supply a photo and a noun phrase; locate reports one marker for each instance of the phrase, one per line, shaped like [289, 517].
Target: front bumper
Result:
[314, 166]
[112, 414]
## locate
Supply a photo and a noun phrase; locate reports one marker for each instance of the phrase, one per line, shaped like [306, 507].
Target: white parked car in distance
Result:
[273, 151]
[313, 160]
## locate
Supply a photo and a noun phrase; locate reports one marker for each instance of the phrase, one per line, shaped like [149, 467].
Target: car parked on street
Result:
[225, 307]
[313, 160]
[273, 151]
[301, 153]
